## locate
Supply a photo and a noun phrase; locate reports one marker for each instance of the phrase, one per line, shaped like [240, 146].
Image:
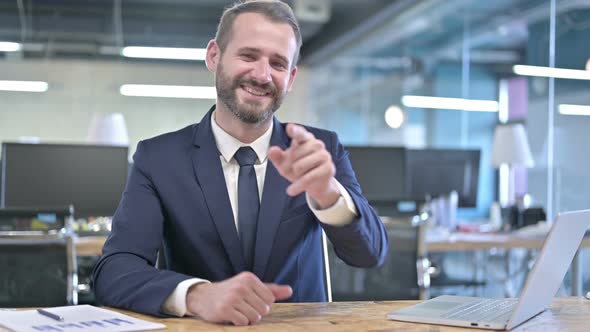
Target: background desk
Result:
[89, 245]
[92, 246]
[478, 241]
[483, 241]
[566, 314]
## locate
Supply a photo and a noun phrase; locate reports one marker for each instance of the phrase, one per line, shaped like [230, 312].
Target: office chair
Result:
[326, 259]
[37, 257]
[403, 275]
[38, 271]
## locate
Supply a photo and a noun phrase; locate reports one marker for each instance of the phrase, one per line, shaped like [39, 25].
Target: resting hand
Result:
[240, 300]
[307, 165]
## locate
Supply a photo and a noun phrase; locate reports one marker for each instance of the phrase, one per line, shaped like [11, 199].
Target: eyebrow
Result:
[256, 50]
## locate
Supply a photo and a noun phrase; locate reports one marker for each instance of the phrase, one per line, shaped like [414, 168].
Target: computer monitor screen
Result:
[380, 172]
[437, 172]
[91, 177]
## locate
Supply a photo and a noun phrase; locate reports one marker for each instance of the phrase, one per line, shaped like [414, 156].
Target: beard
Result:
[252, 112]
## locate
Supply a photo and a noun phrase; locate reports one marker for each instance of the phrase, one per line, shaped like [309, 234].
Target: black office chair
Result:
[37, 257]
[38, 271]
[403, 276]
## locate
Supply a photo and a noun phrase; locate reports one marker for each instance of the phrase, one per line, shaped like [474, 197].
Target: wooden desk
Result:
[566, 314]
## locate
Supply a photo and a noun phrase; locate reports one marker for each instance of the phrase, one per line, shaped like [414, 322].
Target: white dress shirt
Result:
[341, 213]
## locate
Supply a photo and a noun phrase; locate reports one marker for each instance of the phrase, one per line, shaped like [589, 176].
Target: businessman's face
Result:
[254, 72]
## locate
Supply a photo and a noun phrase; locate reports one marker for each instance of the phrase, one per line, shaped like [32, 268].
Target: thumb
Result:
[276, 155]
[280, 292]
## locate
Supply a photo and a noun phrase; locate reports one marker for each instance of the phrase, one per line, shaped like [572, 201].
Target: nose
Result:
[262, 72]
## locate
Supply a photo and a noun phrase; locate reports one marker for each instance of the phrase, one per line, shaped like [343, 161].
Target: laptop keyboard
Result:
[484, 310]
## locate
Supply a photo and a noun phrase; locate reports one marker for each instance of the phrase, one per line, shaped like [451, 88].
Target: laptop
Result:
[542, 284]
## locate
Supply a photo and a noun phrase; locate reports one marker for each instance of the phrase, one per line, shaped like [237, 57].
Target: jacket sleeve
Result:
[125, 276]
[362, 243]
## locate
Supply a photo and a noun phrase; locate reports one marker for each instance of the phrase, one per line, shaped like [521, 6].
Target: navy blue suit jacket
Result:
[176, 195]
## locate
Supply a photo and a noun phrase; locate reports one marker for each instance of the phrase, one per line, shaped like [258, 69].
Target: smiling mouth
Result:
[255, 92]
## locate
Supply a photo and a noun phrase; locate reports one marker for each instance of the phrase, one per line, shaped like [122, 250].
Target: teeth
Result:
[254, 92]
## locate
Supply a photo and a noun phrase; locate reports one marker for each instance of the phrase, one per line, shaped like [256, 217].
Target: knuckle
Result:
[320, 144]
[247, 277]
[239, 292]
[297, 169]
[234, 292]
[251, 278]
[223, 308]
[330, 166]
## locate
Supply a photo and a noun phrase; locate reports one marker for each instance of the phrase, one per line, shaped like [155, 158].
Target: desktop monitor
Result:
[90, 177]
[436, 172]
[380, 172]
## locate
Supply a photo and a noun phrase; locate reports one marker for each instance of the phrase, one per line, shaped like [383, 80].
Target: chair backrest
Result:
[327, 274]
[38, 271]
[396, 279]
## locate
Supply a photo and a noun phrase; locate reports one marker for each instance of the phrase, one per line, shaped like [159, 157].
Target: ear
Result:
[291, 78]
[213, 54]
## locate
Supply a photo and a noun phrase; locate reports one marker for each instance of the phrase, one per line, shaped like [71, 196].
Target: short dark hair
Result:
[275, 10]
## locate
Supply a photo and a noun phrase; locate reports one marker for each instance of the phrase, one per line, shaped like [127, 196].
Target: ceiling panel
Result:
[166, 23]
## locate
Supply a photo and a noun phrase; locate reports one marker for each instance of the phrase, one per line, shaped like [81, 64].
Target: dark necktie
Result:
[248, 202]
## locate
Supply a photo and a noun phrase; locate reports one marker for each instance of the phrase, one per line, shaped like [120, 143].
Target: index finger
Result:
[263, 292]
[298, 133]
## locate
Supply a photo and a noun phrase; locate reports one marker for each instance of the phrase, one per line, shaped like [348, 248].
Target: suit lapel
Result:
[274, 199]
[209, 172]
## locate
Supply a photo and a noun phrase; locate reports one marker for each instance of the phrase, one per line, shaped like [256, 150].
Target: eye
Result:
[279, 65]
[247, 56]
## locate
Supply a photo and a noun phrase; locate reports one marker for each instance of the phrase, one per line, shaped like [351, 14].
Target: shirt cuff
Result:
[341, 213]
[175, 304]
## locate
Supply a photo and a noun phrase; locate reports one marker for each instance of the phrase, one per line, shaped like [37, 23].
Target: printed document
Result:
[80, 318]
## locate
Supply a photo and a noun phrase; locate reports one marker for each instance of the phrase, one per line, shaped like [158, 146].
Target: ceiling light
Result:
[24, 86]
[168, 91]
[164, 53]
[474, 105]
[568, 109]
[394, 117]
[572, 74]
[9, 47]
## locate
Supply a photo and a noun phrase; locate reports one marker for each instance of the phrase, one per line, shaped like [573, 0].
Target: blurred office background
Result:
[365, 69]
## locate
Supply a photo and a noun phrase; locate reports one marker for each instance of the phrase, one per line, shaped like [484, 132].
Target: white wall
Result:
[78, 88]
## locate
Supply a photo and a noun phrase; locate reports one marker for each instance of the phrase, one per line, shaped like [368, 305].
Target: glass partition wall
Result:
[501, 62]
[377, 90]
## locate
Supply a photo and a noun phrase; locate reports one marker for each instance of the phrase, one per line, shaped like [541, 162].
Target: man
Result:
[238, 235]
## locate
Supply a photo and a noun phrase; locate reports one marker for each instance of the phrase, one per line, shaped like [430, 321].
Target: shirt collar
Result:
[228, 145]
